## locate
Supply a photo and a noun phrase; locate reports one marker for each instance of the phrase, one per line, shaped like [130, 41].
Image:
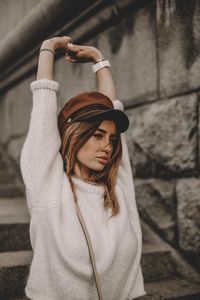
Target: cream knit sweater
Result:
[61, 268]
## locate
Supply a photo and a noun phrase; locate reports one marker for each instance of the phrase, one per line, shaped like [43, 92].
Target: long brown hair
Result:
[73, 137]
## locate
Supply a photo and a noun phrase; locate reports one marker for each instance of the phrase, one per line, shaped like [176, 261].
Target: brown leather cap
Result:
[91, 106]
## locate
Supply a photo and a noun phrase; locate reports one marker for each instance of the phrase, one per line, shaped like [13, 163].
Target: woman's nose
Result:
[107, 147]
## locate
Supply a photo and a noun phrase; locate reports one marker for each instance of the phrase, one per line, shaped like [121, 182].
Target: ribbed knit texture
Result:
[61, 267]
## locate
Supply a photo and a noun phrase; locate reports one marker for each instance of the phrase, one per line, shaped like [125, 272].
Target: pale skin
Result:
[101, 142]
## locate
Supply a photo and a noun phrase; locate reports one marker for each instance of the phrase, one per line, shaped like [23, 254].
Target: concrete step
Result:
[174, 288]
[14, 269]
[182, 267]
[10, 190]
[3, 164]
[156, 263]
[14, 211]
[14, 236]
[14, 225]
[158, 267]
[6, 177]
[18, 298]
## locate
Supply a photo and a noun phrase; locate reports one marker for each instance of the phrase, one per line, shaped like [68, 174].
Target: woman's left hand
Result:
[82, 54]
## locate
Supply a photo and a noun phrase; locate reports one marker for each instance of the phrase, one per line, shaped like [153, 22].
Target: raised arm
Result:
[41, 147]
[105, 83]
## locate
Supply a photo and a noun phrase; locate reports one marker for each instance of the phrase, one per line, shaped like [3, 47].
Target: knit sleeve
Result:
[126, 180]
[125, 166]
[42, 143]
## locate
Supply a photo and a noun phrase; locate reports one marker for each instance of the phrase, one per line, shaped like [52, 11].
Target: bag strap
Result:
[91, 252]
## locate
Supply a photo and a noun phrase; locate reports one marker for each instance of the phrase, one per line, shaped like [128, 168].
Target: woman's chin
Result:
[98, 167]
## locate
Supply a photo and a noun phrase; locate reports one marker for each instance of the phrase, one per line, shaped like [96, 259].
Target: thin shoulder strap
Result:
[88, 240]
[91, 252]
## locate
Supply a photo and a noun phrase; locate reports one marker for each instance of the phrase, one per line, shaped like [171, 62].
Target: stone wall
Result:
[12, 12]
[164, 135]
[156, 71]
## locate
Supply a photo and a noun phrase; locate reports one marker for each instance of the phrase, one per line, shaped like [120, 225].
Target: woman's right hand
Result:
[56, 43]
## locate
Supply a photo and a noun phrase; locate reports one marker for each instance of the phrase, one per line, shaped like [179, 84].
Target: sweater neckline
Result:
[88, 186]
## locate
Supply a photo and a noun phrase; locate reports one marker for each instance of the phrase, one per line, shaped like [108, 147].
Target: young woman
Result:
[80, 155]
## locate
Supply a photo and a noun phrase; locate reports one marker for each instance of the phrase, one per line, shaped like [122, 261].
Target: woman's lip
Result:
[102, 160]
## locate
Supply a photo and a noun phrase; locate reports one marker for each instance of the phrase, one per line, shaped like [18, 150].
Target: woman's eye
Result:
[97, 135]
[100, 136]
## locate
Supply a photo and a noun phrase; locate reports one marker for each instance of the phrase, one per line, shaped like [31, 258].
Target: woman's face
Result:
[100, 144]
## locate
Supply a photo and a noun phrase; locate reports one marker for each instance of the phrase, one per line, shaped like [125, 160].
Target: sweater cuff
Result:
[44, 84]
[118, 105]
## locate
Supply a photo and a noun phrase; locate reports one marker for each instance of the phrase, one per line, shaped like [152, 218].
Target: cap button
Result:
[69, 120]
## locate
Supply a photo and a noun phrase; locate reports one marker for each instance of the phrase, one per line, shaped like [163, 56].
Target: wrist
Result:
[98, 55]
[100, 65]
[48, 44]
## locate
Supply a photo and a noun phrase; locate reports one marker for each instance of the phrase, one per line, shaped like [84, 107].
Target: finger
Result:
[73, 47]
[78, 46]
[71, 53]
[67, 39]
[80, 54]
[68, 58]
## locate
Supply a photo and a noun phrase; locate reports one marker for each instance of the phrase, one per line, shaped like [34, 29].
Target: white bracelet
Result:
[102, 64]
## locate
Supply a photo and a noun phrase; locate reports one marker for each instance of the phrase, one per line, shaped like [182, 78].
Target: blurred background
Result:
[154, 51]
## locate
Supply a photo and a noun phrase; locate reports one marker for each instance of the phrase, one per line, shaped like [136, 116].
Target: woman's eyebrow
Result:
[103, 131]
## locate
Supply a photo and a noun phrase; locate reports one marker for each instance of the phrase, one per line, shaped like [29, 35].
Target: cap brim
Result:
[119, 117]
